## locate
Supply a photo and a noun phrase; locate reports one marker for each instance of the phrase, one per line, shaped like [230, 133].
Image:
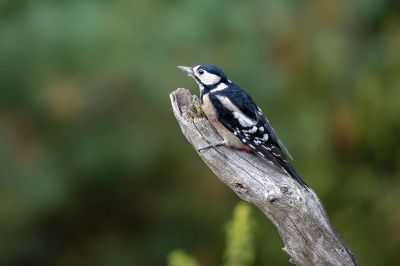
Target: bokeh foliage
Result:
[94, 170]
[181, 258]
[239, 250]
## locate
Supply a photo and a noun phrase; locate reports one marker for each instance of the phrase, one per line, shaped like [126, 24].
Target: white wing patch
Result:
[244, 120]
[252, 130]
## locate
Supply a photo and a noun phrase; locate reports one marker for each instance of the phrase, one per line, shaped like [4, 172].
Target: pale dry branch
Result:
[296, 212]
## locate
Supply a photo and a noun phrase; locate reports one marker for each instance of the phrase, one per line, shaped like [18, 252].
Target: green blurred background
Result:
[94, 168]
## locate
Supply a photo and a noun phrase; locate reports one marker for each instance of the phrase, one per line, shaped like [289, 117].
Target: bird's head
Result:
[205, 75]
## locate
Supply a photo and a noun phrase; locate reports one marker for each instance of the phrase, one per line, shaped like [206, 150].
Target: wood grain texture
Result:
[296, 212]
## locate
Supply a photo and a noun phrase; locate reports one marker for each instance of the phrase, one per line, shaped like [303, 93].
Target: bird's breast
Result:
[212, 115]
[209, 109]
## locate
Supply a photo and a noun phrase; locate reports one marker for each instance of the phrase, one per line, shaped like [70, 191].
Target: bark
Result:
[296, 212]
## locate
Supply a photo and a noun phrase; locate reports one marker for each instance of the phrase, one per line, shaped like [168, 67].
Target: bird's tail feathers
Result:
[272, 151]
[290, 170]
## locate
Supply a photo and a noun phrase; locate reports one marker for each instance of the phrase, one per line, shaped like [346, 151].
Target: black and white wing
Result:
[239, 114]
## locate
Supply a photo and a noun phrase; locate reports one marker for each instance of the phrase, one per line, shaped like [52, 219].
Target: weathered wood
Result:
[297, 213]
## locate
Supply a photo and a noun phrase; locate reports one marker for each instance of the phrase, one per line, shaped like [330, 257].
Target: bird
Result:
[237, 118]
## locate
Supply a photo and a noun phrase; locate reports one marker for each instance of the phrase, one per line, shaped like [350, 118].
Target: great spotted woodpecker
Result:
[236, 117]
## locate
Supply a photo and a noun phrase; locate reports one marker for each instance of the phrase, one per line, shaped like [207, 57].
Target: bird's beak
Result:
[187, 70]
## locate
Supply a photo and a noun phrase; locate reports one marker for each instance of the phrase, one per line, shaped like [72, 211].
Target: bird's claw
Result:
[212, 145]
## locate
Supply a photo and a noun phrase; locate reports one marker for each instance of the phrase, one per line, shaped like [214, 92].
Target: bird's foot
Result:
[212, 145]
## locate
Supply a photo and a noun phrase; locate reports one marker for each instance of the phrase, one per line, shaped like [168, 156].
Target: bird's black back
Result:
[232, 99]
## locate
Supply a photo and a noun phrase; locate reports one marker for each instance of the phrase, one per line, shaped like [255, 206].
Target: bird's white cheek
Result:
[209, 79]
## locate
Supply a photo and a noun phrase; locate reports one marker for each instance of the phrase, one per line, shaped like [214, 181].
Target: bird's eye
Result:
[200, 71]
